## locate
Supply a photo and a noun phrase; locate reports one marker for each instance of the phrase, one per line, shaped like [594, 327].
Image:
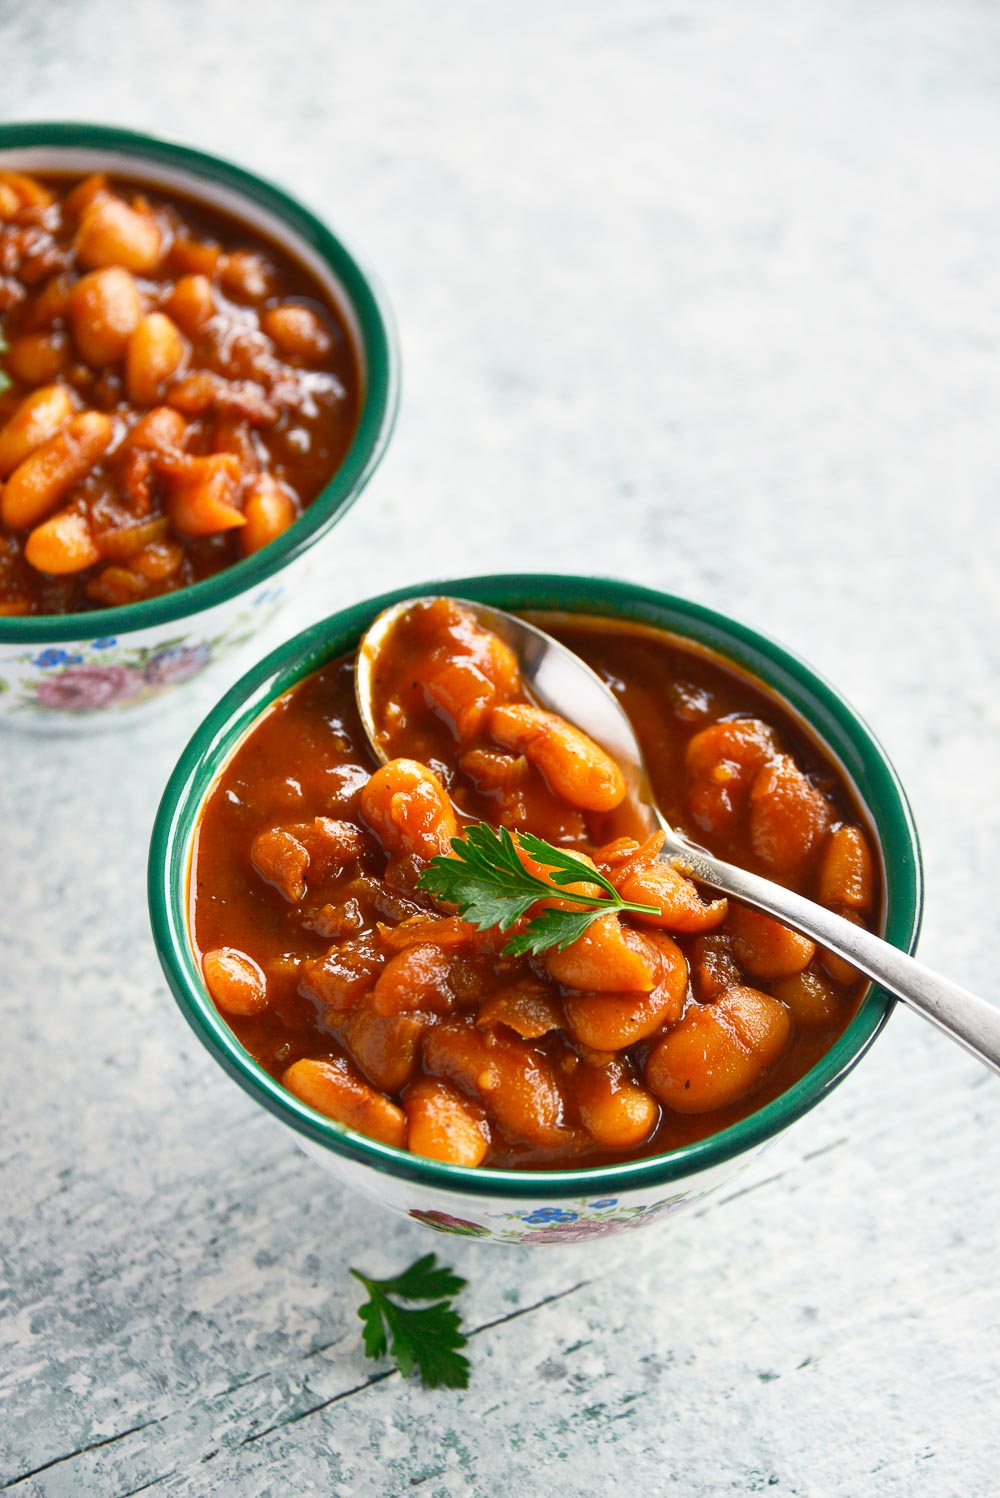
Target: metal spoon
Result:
[563, 683]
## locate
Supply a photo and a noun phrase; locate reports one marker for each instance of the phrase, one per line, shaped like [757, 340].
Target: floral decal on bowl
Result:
[572, 1222]
[549, 1214]
[92, 676]
[173, 663]
[55, 657]
[443, 1223]
[83, 689]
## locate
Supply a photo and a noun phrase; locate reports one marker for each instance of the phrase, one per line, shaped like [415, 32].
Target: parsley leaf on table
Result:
[426, 1338]
[490, 886]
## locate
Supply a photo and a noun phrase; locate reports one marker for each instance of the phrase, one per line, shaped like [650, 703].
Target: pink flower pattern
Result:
[81, 689]
[576, 1232]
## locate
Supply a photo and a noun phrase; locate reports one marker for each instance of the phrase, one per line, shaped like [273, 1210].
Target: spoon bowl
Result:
[553, 674]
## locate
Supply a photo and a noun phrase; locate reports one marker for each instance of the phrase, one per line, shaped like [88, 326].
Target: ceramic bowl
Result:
[77, 670]
[538, 1207]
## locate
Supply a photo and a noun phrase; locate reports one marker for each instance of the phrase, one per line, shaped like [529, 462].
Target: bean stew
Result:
[174, 390]
[384, 1010]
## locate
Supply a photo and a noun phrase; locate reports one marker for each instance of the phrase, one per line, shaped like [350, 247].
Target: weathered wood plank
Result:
[767, 237]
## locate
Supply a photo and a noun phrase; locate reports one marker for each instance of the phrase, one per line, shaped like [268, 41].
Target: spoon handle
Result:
[971, 1021]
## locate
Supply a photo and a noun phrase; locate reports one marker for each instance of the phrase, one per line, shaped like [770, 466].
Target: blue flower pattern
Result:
[105, 644]
[540, 1215]
[54, 657]
[600, 1218]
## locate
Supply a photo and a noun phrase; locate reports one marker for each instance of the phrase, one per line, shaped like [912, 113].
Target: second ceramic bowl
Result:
[68, 671]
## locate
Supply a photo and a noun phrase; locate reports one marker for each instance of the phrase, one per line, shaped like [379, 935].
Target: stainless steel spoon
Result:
[563, 683]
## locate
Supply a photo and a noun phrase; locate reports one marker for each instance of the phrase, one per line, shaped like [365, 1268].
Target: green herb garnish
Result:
[490, 886]
[426, 1338]
[5, 379]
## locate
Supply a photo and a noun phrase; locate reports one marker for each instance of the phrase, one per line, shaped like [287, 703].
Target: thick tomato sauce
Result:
[437, 1040]
[174, 390]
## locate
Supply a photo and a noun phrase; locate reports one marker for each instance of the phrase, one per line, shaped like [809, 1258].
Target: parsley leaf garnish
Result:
[490, 886]
[426, 1338]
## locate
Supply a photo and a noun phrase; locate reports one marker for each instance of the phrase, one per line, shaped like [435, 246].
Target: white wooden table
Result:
[703, 295]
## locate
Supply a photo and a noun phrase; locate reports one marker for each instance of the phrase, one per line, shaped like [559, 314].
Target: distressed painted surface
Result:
[769, 236]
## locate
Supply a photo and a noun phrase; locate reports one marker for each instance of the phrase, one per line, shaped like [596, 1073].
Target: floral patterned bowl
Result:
[537, 1207]
[69, 671]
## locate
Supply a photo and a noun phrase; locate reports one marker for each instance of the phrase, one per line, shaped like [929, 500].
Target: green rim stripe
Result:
[378, 412]
[840, 727]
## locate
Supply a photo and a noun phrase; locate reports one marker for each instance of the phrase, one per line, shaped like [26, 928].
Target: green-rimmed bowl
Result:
[72, 670]
[540, 1206]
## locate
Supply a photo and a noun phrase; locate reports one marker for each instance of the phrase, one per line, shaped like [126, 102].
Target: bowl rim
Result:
[380, 403]
[839, 726]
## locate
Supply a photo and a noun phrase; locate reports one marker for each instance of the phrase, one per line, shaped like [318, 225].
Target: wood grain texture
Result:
[657, 268]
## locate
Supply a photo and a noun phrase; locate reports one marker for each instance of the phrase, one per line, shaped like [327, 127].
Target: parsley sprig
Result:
[486, 880]
[426, 1338]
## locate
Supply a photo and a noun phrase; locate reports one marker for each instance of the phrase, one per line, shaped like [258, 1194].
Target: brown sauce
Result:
[193, 386]
[307, 759]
